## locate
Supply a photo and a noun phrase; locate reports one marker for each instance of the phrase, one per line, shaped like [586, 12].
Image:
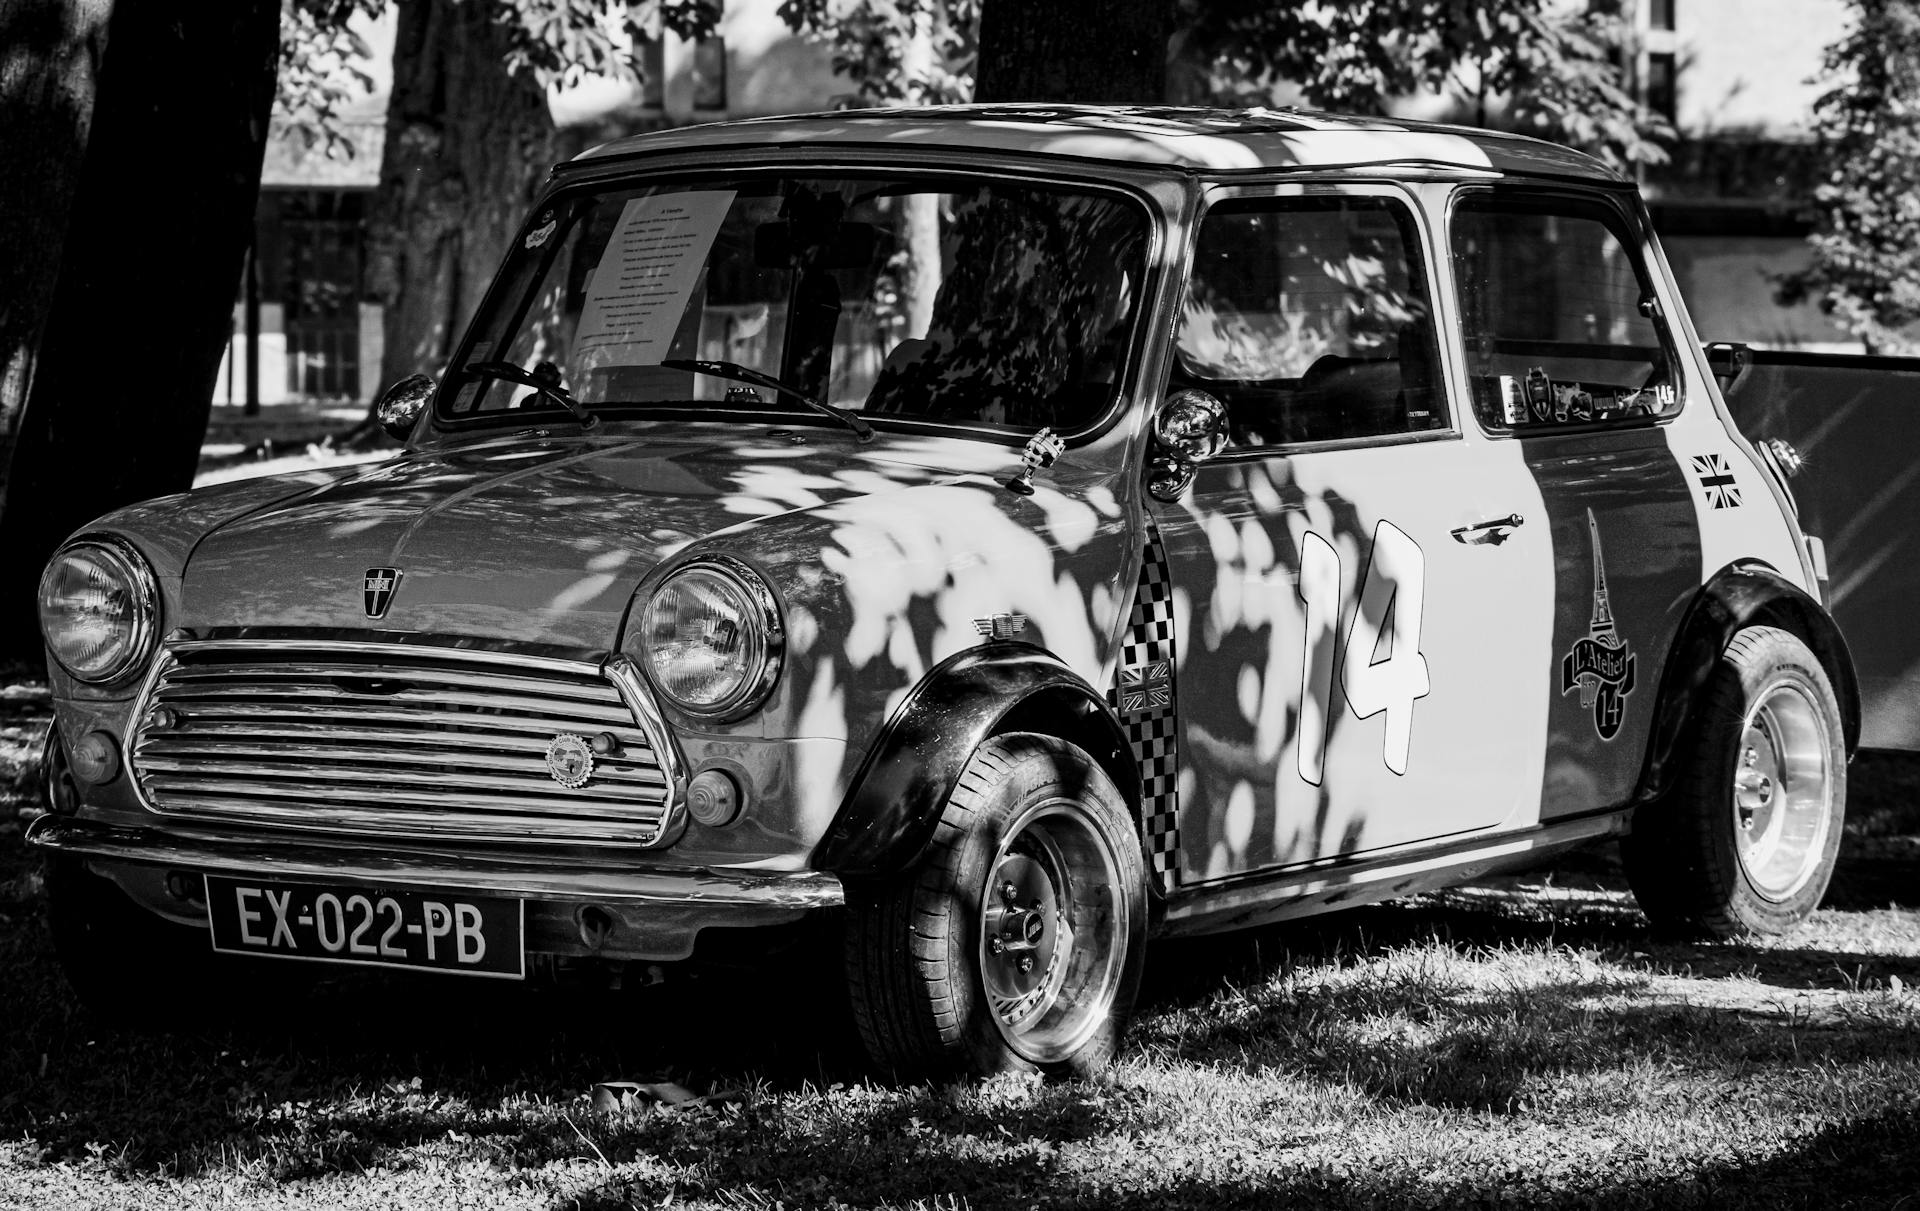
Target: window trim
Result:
[1408, 195]
[1634, 237]
[446, 423]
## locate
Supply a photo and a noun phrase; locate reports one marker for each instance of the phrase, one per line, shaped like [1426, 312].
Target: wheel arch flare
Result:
[1738, 596]
[1130, 731]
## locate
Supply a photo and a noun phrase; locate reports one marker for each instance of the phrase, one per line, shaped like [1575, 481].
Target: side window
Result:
[1560, 324]
[1309, 318]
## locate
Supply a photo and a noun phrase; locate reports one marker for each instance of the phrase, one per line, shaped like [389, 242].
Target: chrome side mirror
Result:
[400, 405]
[1189, 429]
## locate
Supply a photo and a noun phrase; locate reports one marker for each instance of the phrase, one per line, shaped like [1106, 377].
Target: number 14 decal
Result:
[1373, 680]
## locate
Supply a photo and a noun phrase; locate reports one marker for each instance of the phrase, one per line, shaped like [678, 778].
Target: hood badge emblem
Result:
[378, 589]
[1000, 626]
[570, 760]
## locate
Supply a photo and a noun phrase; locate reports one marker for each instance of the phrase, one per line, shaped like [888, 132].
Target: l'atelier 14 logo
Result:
[1600, 665]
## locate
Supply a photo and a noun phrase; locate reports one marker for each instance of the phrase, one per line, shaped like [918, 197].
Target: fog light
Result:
[186, 887]
[713, 798]
[95, 758]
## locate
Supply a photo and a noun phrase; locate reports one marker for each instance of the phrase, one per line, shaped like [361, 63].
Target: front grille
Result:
[394, 740]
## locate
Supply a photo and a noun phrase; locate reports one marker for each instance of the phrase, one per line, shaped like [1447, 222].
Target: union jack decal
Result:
[1716, 480]
[1146, 686]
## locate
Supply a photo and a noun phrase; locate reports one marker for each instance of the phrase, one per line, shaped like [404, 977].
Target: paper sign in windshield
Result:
[650, 269]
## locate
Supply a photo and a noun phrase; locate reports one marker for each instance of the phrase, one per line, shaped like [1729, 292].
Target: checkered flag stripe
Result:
[1143, 694]
[1156, 747]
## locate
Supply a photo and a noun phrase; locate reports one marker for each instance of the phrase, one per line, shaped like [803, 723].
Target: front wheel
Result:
[1746, 842]
[1018, 942]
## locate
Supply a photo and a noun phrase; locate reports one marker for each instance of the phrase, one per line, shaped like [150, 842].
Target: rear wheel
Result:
[1017, 944]
[1746, 841]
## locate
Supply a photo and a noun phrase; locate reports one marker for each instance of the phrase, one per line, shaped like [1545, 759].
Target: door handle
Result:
[1490, 533]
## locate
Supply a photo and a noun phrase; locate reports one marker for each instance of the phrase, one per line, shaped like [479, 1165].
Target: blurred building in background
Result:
[1735, 76]
[1738, 79]
[306, 292]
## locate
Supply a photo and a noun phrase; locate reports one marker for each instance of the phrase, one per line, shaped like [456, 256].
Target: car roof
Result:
[1186, 139]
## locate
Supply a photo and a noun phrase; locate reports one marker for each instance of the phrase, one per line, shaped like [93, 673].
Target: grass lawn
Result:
[1523, 1042]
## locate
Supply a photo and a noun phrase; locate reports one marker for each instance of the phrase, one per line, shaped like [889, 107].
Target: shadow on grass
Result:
[1863, 1163]
[370, 1070]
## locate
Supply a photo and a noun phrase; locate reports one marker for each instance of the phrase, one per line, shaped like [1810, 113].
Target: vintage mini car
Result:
[1021, 531]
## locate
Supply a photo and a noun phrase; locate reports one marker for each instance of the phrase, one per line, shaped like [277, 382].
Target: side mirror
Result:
[1189, 429]
[400, 405]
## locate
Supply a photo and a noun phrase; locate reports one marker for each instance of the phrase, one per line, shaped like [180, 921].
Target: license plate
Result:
[476, 935]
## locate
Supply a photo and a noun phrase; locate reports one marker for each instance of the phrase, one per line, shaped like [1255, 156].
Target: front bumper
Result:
[659, 910]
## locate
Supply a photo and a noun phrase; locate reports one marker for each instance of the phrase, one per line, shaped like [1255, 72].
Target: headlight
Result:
[99, 608]
[712, 638]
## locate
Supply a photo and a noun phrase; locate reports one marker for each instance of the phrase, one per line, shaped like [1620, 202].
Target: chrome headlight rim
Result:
[145, 588]
[755, 688]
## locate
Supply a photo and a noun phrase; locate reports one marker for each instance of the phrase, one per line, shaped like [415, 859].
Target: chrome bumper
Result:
[542, 876]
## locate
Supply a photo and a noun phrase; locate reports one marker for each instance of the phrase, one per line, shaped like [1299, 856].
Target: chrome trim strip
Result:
[296, 775]
[137, 721]
[365, 647]
[1274, 892]
[611, 713]
[208, 731]
[493, 820]
[626, 677]
[185, 753]
[290, 715]
[282, 857]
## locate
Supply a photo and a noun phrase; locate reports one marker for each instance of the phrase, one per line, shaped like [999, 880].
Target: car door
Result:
[1571, 360]
[1362, 591]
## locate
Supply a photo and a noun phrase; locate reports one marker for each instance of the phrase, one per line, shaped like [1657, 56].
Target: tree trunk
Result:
[47, 87]
[117, 385]
[1084, 51]
[467, 146]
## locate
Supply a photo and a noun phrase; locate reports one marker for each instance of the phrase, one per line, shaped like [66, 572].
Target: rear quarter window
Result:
[1558, 315]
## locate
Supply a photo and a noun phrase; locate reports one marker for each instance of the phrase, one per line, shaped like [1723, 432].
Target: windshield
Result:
[984, 302]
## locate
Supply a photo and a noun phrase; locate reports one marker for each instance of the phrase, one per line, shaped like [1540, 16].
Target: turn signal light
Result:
[95, 758]
[713, 798]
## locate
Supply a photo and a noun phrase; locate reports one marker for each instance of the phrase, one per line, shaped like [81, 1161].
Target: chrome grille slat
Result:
[398, 823]
[189, 695]
[397, 740]
[239, 790]
[287, 712]
[376, 764]
[493, 682]
[527, 735]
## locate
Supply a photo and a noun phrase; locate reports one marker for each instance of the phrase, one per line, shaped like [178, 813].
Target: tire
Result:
[1017, 943]
[128, 967]
[1745, 842]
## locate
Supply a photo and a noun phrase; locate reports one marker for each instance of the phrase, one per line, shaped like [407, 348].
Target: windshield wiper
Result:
[549, 387]
[747, 374]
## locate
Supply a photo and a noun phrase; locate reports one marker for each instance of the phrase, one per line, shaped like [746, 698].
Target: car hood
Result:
[539, 540]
